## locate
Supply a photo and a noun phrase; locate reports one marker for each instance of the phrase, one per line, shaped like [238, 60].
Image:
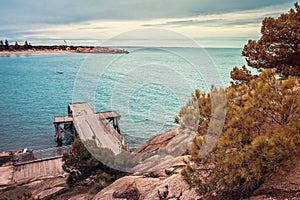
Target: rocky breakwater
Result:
[158, 177]
[105, 50]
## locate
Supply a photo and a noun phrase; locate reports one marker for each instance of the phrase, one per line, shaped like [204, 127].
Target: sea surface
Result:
[147, 87]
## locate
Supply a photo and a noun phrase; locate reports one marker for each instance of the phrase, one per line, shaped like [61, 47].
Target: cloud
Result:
[208, 22]
[68, 11]
[95, 20]
[236, 18]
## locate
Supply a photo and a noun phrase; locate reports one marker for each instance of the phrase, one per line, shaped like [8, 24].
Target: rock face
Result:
[42, 188]
[83, 50]
[168, 183]
[161, 182]
[157, 142]
[100, 50]
[142, 187]
[129, 191]
[48, 193]
[162, 151]
[108, 50]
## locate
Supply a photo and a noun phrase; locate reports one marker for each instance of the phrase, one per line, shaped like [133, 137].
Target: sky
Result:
[211, 23]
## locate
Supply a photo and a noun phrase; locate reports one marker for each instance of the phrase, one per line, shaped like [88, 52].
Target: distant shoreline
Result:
[63, 49]
[35, 52]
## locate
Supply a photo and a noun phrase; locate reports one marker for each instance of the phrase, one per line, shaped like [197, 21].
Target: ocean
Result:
[147, 87]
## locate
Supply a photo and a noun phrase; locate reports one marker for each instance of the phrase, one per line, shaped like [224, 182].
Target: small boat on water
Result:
[60, 72]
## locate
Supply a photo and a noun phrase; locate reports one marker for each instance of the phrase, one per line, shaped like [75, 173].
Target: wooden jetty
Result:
[83, 123]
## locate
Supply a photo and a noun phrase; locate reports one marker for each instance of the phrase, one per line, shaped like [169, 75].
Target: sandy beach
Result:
[36, 52]
[105, 50]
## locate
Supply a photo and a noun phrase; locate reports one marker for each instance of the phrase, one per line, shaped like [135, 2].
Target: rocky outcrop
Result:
[45, 194]
[162, 151]
[158, 142]
[42, 188]
[165, 184]
[83, 50]
[128, 191]
[108, 50]
[161, 177]
[105, 50]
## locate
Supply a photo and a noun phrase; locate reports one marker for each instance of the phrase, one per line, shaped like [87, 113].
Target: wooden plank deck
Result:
[108, 115]
[101, 115]
[90, 127]
[62, 119]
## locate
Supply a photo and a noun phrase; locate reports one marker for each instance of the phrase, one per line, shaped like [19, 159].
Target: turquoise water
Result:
[147, 87]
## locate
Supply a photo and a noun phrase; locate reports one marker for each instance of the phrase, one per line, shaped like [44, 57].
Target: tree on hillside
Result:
[6, 46]
[16, 45]
[242, 75]
[261, 131]
[26, 45]
[80, 164]
[1, 45]
[260, 136]
[279, 45]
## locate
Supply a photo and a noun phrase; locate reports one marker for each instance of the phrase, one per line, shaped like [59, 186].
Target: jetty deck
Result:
[83, 123]
[62, 119]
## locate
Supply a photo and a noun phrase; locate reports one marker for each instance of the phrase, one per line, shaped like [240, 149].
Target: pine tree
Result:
[260, 135]
[1, 45]
[26, 45]
[16, 46]
[80, 164]
[6, 46]
[261, 130]
[279, 45]
[240, 76]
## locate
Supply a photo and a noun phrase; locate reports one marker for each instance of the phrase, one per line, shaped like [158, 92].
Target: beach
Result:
[36, 52]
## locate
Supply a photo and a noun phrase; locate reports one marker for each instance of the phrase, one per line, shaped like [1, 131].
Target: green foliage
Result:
[26, 46]
[260, 136]
[1, 45]
[80, 164]
[204, 114]
[123, 161]
[6, 46]
[196, 113]
[240, 76]
[16, 46]
[279, 45]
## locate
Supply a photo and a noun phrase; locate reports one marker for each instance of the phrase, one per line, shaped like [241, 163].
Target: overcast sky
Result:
[213, 23]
